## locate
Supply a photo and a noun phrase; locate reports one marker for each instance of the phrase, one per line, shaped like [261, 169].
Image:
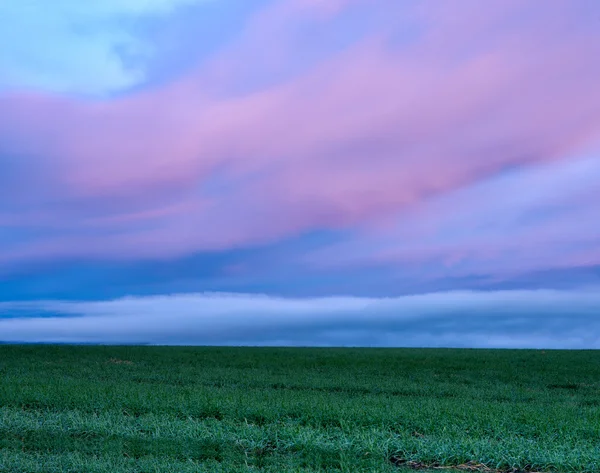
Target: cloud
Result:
[380, 126]
[72, 47]
[523, 220]
[516, 319]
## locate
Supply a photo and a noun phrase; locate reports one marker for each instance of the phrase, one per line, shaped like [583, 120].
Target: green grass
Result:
[166, 409]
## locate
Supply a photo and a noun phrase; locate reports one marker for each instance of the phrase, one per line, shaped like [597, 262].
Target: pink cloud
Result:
[543, 217]
[376, 129]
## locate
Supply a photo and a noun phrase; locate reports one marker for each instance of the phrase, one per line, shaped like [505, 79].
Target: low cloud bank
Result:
[510, 319]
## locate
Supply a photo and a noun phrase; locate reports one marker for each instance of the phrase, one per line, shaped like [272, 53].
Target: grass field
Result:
[165, 409]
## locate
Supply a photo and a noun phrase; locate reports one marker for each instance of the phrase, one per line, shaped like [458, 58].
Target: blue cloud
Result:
[515, 319]
[90, 48]
[269, 268]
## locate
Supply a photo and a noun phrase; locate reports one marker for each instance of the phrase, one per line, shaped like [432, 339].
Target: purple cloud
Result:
[526, 220]
[443, 140]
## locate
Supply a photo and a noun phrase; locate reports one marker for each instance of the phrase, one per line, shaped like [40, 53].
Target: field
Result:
[166, 409]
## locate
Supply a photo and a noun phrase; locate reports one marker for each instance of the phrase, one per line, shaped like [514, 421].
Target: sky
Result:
[300, 172]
